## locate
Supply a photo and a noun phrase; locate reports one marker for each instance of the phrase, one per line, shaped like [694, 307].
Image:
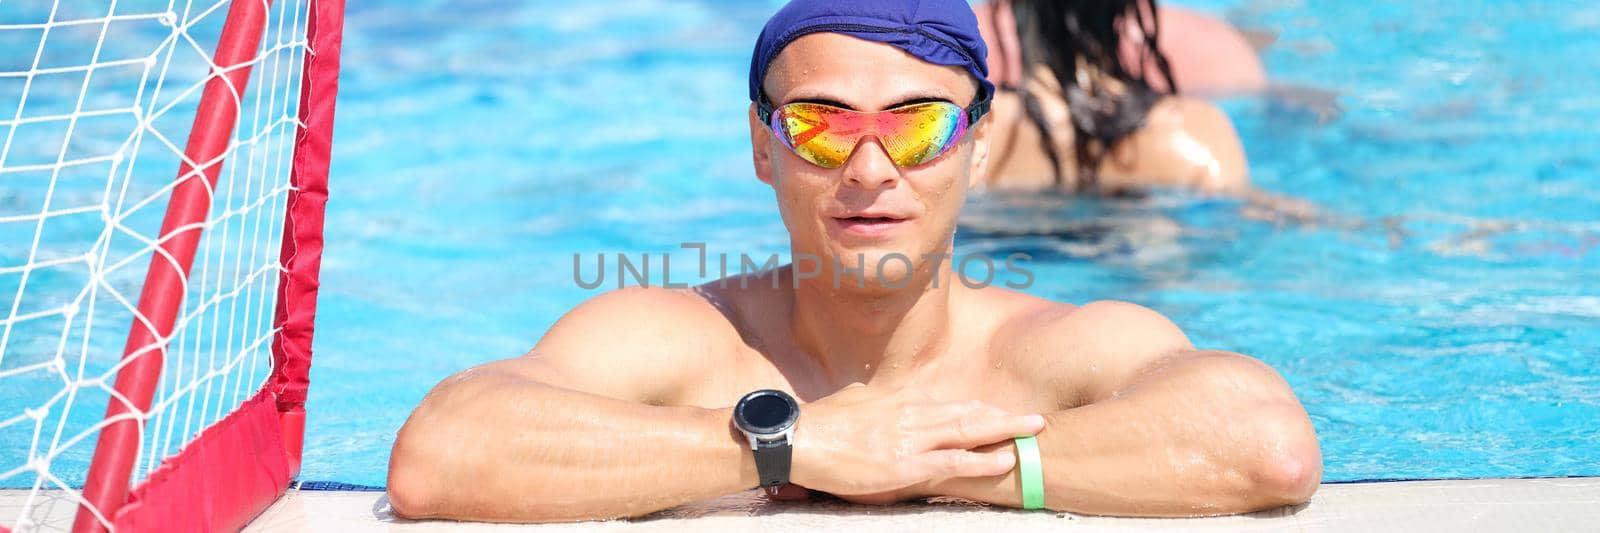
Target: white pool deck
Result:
[1519, 505]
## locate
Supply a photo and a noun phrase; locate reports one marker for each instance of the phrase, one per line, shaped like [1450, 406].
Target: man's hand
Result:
[867, 440]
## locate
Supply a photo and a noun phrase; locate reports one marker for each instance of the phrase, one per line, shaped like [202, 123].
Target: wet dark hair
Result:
[1066, 34]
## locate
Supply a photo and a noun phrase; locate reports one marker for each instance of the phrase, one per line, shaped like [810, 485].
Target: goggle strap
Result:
[764, 110]
[978, 109]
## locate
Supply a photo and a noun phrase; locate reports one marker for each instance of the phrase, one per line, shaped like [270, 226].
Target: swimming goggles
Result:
[912, 134]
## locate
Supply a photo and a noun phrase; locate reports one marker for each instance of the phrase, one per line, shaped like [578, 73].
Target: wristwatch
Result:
[767, 418]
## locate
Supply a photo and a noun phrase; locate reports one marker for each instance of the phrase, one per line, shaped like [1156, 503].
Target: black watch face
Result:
[766, 411]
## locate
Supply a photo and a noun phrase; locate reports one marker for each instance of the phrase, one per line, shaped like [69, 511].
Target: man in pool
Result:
[874, 374]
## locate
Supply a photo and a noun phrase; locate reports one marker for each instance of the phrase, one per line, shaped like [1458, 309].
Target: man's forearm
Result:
[497, 447]
[1212, 433]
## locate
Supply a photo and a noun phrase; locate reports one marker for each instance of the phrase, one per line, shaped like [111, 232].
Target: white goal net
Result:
[98, 101]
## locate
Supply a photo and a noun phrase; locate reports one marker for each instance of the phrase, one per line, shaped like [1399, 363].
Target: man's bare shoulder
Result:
[1082, 350]
[645, 311]
[636, 342]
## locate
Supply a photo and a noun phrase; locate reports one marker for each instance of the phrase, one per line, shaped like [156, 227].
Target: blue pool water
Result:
[1443, 321]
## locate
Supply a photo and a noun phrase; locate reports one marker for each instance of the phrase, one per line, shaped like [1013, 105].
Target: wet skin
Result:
[908, 392]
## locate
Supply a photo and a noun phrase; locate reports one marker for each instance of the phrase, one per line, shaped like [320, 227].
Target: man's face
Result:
[840, 212]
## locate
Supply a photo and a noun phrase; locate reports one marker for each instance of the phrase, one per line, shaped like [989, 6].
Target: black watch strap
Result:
[772, 462]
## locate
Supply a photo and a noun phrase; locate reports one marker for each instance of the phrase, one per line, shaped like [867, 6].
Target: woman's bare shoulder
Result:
[1185, 142]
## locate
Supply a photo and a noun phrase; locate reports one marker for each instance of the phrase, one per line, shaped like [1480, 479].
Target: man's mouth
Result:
[869, 224]
[870, 220]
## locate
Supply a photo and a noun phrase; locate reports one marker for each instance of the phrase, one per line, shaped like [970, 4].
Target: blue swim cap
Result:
[942, 32]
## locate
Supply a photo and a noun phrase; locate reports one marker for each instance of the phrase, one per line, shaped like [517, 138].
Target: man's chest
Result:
[976, 377]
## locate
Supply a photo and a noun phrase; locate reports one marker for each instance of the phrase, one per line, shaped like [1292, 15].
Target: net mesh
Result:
[97, 99]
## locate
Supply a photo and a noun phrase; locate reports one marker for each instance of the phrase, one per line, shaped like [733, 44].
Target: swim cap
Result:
[942, 32]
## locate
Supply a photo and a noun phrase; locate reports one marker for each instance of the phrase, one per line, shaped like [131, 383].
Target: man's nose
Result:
[869, 167]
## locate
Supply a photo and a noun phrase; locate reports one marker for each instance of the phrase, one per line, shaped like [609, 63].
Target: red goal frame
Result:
[237, 467]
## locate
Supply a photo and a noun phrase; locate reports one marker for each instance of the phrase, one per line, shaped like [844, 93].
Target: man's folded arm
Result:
[572, 430]
[1163, 429]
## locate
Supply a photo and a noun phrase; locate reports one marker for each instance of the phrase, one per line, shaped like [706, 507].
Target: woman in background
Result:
[1088, 102]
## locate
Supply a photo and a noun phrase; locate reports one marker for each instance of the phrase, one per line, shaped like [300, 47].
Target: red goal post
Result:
[240, 465]
[235, 467]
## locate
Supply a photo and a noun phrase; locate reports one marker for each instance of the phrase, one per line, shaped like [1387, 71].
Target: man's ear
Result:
[760, 147]
[980, 152]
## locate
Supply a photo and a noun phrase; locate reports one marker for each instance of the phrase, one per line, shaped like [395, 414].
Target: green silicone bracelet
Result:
[1031, 472]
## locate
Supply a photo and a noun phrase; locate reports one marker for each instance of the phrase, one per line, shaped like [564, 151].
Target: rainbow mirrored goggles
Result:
[911, 134]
